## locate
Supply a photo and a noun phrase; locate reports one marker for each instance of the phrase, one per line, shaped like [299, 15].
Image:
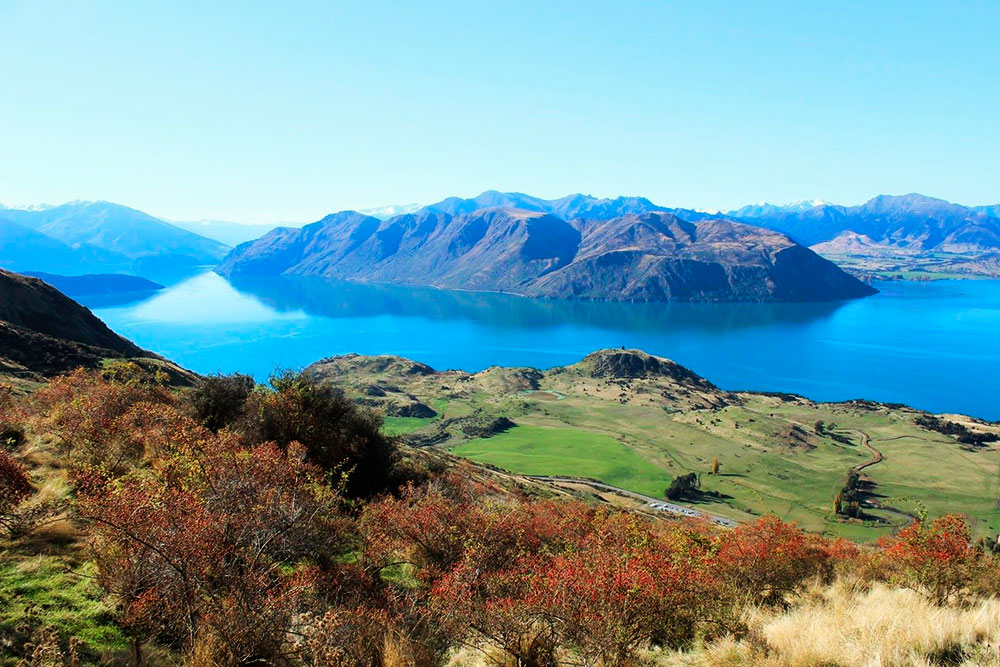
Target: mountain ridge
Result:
[648, 256]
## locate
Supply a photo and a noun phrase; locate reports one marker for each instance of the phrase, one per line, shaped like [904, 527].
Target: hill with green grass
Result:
[636, 421]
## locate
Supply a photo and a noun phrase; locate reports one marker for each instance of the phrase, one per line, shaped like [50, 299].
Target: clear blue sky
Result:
[261, 112]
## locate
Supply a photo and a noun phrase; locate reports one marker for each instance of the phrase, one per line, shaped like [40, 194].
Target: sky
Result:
[265, 112]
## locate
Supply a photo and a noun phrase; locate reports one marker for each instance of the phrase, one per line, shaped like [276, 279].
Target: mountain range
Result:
[99, 237]
[608, 249]
[575, 246]
[912, 222]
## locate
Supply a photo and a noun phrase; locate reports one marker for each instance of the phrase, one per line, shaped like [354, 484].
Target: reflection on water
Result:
[343, 299]
[931, 345]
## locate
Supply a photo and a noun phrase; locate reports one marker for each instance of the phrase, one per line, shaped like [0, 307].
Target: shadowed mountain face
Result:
[99, 237]
[648, 256]
[44, 333]
[909, 222]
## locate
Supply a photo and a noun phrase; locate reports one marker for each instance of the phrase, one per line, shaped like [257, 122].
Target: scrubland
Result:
[234, 524]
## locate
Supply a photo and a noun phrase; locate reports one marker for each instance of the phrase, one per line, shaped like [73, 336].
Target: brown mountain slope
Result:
[653, 256]
[44, 333]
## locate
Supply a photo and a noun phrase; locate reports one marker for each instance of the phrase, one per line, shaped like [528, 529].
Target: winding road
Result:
[877, 456]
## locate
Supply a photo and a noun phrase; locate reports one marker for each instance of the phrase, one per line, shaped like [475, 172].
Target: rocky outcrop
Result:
[635, 364]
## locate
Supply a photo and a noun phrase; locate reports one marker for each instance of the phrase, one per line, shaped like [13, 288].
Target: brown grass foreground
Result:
[243, 525]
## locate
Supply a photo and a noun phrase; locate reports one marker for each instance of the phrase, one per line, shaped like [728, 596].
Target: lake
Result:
[932, 345]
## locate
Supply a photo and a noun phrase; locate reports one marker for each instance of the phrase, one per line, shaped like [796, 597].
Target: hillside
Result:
[44, 333]
[651, 256]
[636, 421]
[229, 524]
[25, 249]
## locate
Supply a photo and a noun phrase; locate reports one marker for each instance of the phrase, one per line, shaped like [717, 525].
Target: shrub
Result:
[762, 562]
[15, 487]
[110, 419]
[11, 419]
[625, 586]
[337, 434]
[937, 556]
[210, 546]
[219, 400]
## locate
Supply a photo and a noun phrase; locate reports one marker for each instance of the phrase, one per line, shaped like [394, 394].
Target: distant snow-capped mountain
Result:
[390, 211]
[765, 209]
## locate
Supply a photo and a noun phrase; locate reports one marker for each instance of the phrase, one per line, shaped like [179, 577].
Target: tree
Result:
[683, 486]
[715, 465]
[819, 427]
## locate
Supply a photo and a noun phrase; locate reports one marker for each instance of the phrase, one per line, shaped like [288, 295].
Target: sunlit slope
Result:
[636, 421]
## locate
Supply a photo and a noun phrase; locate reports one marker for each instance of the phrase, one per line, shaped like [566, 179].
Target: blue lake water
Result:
[930, 345]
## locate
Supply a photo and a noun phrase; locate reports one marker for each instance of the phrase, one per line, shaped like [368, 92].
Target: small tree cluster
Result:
[336, 433]
[683, 486]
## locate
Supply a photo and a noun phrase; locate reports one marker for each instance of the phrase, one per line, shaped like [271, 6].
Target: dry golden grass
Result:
[401, 652]
[880, 627]
[841, 626]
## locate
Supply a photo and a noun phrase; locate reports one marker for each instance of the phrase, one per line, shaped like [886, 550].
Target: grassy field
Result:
[534, 450]
[404, 425]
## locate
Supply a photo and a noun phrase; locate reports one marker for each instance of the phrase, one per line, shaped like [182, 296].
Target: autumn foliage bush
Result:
[937, 557]
[219, 543]
[15, 487]
[107, 423]
[768, 559]
[532, 579]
